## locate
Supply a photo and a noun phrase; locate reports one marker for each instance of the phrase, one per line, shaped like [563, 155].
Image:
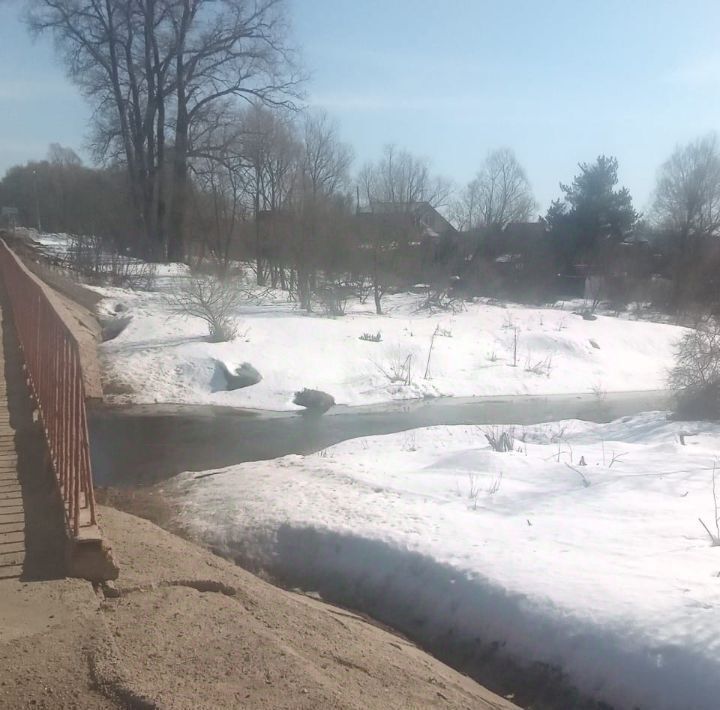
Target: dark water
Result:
[150, 443]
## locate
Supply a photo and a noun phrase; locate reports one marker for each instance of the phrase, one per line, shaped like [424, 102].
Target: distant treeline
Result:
[209, 154]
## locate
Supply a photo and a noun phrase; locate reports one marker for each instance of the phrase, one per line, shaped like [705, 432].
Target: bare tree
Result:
[154, 70]
[223, 176]
[687, 203]
[322, 172]
[402, 179]
[395, 190]
[687, 196]
[695, 377]
[213, 300]
[63, 156]
[271, 147]
[499, 194]
[237, 50]
[113, 53]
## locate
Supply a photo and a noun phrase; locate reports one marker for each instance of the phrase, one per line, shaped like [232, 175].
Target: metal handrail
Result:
[52, 364]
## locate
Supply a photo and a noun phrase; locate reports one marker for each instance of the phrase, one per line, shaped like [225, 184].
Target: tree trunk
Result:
[176, 234]
[260, 273]
[377, 297]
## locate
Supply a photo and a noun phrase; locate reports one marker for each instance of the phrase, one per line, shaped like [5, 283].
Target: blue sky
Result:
[559, 81]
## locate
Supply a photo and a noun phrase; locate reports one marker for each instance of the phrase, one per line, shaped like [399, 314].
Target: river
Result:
[141, 444]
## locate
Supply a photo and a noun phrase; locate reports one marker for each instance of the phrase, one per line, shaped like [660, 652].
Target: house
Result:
[421, 217]
[515, 261]
[414, 239]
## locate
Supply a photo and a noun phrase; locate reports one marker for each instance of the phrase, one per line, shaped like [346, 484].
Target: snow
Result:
[51, 244]
[57, 246]
[611, 578]
[165, 357]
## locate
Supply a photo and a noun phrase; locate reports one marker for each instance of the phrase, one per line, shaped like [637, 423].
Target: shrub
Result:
[213, 300]
[500, 440]
[398, 367]
[695, 378]
[442, 300]
[539, 367]
[359, 287]
[333, 300]
[99, 261]
[372, 337]
[127, 272]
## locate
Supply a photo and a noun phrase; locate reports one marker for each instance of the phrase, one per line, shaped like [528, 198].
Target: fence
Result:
[52, 361]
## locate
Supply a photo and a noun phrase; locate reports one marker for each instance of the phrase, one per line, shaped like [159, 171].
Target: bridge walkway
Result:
[32, 534]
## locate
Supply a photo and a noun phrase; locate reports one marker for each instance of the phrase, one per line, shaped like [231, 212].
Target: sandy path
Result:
[190, 630]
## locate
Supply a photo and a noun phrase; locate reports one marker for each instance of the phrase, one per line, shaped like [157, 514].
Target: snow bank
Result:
[57, 246]
[602, 570]
[163, 357]
[51, 244]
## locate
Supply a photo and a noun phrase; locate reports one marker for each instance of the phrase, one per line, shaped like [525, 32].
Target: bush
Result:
[372, 337]
[695, 378]
[500, 439]
[213, 300]
[442, 300]
[99, 262]
[397, 368]
[333, 300]
[539, 367]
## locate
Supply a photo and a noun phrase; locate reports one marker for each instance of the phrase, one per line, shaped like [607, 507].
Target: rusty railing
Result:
[52, 363]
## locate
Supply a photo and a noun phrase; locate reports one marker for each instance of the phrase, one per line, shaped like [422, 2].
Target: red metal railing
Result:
[52, 363]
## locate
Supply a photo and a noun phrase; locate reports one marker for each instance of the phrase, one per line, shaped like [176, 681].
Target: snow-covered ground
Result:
[601, 569]
[165, 357]
[51, 244]
[485, 349]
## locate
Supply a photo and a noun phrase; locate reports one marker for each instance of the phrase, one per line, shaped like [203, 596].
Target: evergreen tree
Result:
[592, 216]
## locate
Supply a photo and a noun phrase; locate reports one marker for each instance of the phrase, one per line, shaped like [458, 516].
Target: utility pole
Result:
[37, 202]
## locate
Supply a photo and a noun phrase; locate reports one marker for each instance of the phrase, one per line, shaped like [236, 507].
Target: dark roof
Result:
[431, 220]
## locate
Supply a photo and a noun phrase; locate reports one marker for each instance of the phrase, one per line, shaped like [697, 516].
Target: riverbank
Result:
[158, 355]
[481, 349]
[187, 629]
[573, 547]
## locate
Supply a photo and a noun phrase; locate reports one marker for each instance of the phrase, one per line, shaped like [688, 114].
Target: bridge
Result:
[48, 520]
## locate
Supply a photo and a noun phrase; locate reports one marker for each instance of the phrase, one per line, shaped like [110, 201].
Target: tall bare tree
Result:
[395, 189]
[223, 180]
[402, 179]
[687, 196]
[112, 52]
[271, 146]
[687, 203]
[228, 50]
[154, 70]
[323, 171]
[499, 194]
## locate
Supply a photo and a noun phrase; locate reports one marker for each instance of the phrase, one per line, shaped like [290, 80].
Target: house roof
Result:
[432, 221]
